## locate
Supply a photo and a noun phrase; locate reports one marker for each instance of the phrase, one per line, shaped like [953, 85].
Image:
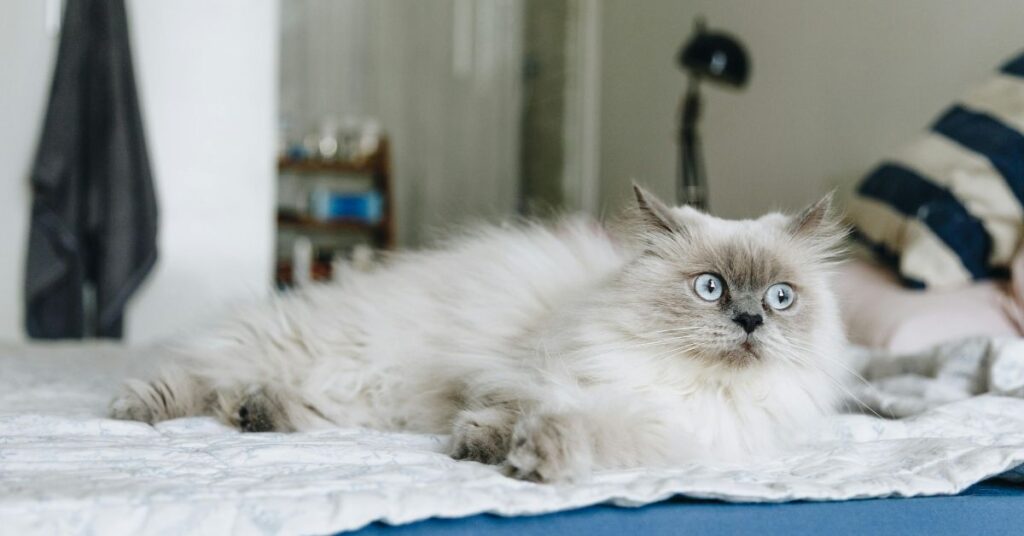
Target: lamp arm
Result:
[692, 182]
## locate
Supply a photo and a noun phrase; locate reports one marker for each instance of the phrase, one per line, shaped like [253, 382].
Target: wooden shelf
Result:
[310, 224]
[321, 271]
[376, 167]
[334, 167]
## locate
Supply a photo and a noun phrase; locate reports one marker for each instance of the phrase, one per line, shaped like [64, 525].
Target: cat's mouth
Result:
[745, 353]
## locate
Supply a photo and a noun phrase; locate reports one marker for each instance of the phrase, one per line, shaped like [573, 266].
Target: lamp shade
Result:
[715, 56]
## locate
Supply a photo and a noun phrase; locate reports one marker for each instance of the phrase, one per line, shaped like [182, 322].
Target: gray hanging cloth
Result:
[94, 211]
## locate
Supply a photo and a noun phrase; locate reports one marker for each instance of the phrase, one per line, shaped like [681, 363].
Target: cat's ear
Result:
[820, 225]
[654, 214]
[813, 217]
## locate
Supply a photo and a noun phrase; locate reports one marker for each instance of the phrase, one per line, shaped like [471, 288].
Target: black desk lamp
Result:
[717, 57]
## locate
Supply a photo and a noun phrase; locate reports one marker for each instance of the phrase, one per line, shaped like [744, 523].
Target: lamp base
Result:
[694, 197]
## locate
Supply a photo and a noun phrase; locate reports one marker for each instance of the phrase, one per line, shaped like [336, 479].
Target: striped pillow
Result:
[947, 209]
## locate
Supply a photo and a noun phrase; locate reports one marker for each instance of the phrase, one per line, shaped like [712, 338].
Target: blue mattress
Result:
[991, 507]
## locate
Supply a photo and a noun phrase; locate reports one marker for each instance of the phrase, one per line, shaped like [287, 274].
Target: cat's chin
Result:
[744, 354]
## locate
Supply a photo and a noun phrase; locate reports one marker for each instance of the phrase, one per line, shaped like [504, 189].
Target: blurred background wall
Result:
[207, 78]
[441, 76]
[26, 49]
[834, 86]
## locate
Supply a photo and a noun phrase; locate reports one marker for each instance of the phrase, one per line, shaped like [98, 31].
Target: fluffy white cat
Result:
[550, 350]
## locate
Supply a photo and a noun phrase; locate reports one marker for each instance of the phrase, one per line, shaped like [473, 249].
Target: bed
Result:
[991, 507]
[66, 468]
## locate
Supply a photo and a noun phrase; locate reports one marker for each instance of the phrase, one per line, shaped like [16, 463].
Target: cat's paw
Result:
[130, 406]
[259, 411]
[549, 448]
[481, 436]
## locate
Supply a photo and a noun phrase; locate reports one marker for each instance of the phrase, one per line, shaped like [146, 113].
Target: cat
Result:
[550, 350]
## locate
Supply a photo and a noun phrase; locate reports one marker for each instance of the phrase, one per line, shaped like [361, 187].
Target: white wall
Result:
[207, 79]
[26, 50]
[835, 86]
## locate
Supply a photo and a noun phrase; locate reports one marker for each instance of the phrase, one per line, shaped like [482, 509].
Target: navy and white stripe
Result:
[949, 207]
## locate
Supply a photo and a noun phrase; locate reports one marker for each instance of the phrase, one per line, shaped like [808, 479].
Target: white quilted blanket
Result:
[64, 468]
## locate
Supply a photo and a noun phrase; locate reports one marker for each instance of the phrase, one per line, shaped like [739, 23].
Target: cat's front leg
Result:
[482, 435]
[605, 430]
[550, 447]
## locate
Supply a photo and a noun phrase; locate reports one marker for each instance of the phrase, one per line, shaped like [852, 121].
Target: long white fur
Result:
[530, 316]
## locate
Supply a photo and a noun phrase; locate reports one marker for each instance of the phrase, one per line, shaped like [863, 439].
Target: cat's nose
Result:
[748, 321]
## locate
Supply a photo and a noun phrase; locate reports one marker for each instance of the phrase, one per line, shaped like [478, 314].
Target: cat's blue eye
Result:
[780, 296]
[708, 287]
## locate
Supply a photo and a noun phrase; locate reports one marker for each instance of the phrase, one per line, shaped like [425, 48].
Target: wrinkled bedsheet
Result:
[64, 468]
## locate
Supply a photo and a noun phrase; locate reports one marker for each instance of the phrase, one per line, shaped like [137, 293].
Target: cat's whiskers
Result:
[841, 386]
[626, 347]
[801, 353]
[856, 375]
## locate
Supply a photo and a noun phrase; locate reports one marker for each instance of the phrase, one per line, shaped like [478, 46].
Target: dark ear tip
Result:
[824, 206]
[653, 210]
[819, 214]
[827, 201]
[639, 193]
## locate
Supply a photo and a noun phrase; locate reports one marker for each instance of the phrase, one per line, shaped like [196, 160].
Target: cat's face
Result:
[734, 293]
